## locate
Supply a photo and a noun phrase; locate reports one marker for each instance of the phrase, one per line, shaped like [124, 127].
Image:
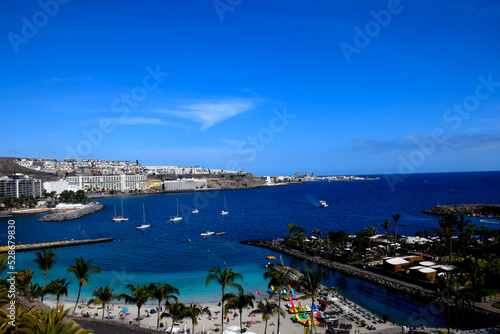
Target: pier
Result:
[54, 244]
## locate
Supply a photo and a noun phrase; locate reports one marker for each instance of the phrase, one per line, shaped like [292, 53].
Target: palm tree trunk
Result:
[312, 315]
[103, 308]
[241, 320]
[265, 328]
[138, 316]
[77, 298]
[43, 286]
[279, 307]
[222, 312]
[57, 302]
[158, 316]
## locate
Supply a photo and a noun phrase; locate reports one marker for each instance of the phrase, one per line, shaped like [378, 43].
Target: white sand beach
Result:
[351, 316]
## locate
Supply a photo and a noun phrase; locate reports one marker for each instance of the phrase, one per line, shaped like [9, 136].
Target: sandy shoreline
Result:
[351, 314]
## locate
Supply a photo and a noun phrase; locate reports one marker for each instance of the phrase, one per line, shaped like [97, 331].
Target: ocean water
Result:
[175, 253]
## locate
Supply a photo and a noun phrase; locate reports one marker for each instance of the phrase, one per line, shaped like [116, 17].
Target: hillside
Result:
[9, 167]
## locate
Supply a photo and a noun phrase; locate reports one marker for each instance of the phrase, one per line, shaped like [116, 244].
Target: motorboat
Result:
[207, 233]
[118, 219]
[225, 211]
[176, 218]
[322, 204]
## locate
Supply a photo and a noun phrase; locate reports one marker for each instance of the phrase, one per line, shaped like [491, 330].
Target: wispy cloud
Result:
[210, 113]
[363, 141]
[459, 142]
[138, 121]
[68, 79]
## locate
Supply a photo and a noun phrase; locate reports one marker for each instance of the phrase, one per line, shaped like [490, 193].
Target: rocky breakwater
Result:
[73, 214]
[480, 210]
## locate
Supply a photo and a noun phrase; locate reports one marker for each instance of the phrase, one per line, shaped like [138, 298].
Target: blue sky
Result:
[271, 87]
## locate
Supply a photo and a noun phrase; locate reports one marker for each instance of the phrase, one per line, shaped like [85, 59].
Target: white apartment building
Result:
[60, 186]
[184, 184]
[117, 182]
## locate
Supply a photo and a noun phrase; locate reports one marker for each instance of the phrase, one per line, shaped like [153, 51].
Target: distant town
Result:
[112, 177]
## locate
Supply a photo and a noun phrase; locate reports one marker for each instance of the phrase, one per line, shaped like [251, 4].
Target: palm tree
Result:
[267, 310]
[52, 322]
[58, 287]
[176, 311]
[37, 291]
[310, 284]
[139, 296]
[278, 278]
[160, 292]
[24, 320]
[448, 223]
[225, 279]
[386, 225]
[82, 271]
[239, 301]
[45, 261]
[292, 229]
[396, 219]
[24, 278]
[4, 260]
[103, 296]
[194, 311]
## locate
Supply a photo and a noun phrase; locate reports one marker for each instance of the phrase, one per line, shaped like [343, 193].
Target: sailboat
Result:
[224, 212]
[143, 225]
[176, 218]
[119, 218]
[196, 208]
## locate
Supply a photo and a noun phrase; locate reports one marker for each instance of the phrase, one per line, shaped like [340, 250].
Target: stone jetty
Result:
[53, 244]
[73, 214]
[479, 210]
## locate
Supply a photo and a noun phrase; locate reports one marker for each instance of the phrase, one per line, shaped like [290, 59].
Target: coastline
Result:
[114, 313]
[414, 291]
[474, 210]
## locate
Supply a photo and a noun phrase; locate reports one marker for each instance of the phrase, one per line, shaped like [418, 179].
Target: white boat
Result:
[224, 212]
[119, 218]
[176, 218]
[143, 225]
[207, 233]
[196, 208]
[322, 204]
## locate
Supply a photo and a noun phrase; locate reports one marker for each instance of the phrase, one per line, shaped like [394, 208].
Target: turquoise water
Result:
[175, 253]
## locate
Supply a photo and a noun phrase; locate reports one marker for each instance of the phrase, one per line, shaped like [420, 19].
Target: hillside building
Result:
[20, 185]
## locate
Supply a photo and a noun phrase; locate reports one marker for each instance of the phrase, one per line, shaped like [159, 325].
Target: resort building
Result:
[184, 184]
[20, 185]
[60, 186]
[119, 182]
